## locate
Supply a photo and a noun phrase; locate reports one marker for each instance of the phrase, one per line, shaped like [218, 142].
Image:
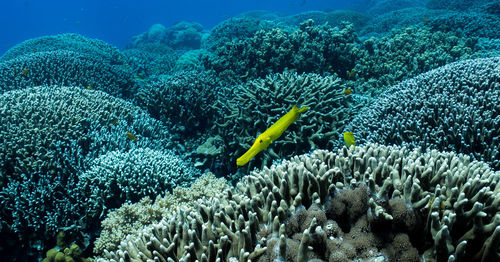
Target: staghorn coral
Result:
[66, 68]
[131, 219]
[35, 207]
[452, 108]
[264, 218]
[259, 103]
[117, 177]
[76, 43]
[309, 49]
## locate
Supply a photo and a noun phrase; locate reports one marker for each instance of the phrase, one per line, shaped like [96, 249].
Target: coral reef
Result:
[191, 60]
[256, 105]
[185, 100]
[131, 219]
[456, 110]
[119, 177]
[405, 53]
[461, 5]
[92, 48]
[181, 36]
[309, 49]
[42, 125]
[374, 197]
[237, 28]
[50, 134]
[333, 18]
[66, 68]
[467, 23]
[151, 59]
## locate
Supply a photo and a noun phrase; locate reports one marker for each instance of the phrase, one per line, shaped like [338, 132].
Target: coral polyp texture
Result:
[452, 108]
[374, 202]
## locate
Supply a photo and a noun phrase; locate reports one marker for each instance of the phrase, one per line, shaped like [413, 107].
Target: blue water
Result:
[117, 21]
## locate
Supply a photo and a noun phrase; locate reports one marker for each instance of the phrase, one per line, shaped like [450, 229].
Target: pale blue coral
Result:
[65, 68]
[120, 176]
[452, 108]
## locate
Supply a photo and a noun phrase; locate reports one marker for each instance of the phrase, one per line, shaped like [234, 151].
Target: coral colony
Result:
[389, 139]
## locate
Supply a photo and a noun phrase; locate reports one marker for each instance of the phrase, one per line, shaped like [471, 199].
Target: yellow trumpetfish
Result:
[271, 134]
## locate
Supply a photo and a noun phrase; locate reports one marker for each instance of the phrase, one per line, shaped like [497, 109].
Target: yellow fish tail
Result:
[302, 110]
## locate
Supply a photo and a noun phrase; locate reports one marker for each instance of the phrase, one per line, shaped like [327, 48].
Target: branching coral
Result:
[186, 100]
[309, 49]
[392, 187]
[405, 53]
[48, 135]
[151, 59]
[118, 177]
[66, 68]
[131, 219]
[92, 48]
[259, 103]
[453, 108]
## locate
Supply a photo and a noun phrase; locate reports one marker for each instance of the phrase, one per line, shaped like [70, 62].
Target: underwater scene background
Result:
[265, 131]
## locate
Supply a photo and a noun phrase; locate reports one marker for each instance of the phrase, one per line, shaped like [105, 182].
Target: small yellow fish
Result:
[352, 73]
[35, 50]
[444, 27]
[349, 139]
[115, 120]
[90, 88]
[131, 136]
[25, 71]
[426, 20]
[271, 134]
[347, 92]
